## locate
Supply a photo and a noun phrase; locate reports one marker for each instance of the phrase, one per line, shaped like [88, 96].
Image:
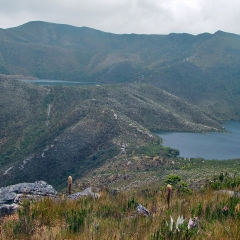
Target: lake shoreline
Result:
[208, 145]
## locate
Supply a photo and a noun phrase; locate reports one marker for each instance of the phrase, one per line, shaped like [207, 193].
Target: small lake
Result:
[51, 82]
[212, 145]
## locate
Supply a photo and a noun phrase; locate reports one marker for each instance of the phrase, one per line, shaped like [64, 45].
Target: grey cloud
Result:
[128, 16]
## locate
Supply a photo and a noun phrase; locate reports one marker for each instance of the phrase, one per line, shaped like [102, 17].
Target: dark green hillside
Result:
[208, 78]
[204, 69]
[23, 116]
[49, 50]
[50, 132]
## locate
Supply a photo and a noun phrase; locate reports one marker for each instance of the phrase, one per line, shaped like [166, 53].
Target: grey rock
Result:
[86, 192]
[141, 210]
[6, 209]
[229, 193]
[12, 196]
[7, 197]
[237, 194]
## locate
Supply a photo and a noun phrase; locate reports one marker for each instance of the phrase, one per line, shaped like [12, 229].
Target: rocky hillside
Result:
[51, 132]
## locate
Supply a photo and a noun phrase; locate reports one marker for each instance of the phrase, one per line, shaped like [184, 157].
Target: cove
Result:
[213, 145]
[51, 82]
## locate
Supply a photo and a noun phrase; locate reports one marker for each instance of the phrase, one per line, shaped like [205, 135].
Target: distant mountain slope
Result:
[51, 132]
[204, 69]
[61, 51]
[209, 78]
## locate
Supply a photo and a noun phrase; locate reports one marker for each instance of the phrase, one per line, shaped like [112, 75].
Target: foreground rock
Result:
[141, 210]
[86, 192]
[11, 196]
[229, 193]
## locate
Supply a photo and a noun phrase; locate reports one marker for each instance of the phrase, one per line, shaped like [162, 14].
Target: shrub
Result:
[76, 220]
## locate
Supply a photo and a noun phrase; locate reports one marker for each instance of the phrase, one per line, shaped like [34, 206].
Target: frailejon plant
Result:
[169, 194]
[69, 185]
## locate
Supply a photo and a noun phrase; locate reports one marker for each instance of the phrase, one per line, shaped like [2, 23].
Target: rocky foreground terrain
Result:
[12, 196]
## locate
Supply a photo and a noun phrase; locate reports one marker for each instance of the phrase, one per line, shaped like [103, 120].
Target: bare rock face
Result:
[11, 196]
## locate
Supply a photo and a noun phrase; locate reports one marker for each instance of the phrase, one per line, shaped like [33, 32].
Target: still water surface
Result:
[50, 82]
[213, 145]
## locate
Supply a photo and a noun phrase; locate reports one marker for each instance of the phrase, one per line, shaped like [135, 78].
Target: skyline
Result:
[128, 16]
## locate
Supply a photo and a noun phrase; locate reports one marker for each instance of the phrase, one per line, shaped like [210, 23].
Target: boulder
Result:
[141, 210]
[229, 193]
[12, 196]
[86, 192]
[6, 209]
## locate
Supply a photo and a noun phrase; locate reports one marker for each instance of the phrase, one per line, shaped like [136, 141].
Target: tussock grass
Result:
[114, 216]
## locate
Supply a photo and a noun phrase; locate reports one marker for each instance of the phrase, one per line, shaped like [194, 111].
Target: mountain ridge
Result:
[203, 69]
[69, 130]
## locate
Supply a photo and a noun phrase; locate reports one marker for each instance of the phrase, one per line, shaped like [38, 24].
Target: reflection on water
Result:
[213, 145]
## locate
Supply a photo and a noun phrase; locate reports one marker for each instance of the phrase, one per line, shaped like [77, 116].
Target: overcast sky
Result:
[128, 16]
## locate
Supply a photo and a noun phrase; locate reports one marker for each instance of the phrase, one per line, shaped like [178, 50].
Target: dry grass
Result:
[115, 217]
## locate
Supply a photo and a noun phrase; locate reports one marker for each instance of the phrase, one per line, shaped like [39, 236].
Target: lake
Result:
[212, 145]
[51, 82]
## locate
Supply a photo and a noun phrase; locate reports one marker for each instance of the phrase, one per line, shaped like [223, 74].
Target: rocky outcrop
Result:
[12, 196]
[86, 192]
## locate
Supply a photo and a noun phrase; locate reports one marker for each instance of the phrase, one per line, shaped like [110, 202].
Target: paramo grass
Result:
[193, 215]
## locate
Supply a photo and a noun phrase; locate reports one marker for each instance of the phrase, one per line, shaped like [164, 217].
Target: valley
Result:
[134, 84]
[70, 130]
